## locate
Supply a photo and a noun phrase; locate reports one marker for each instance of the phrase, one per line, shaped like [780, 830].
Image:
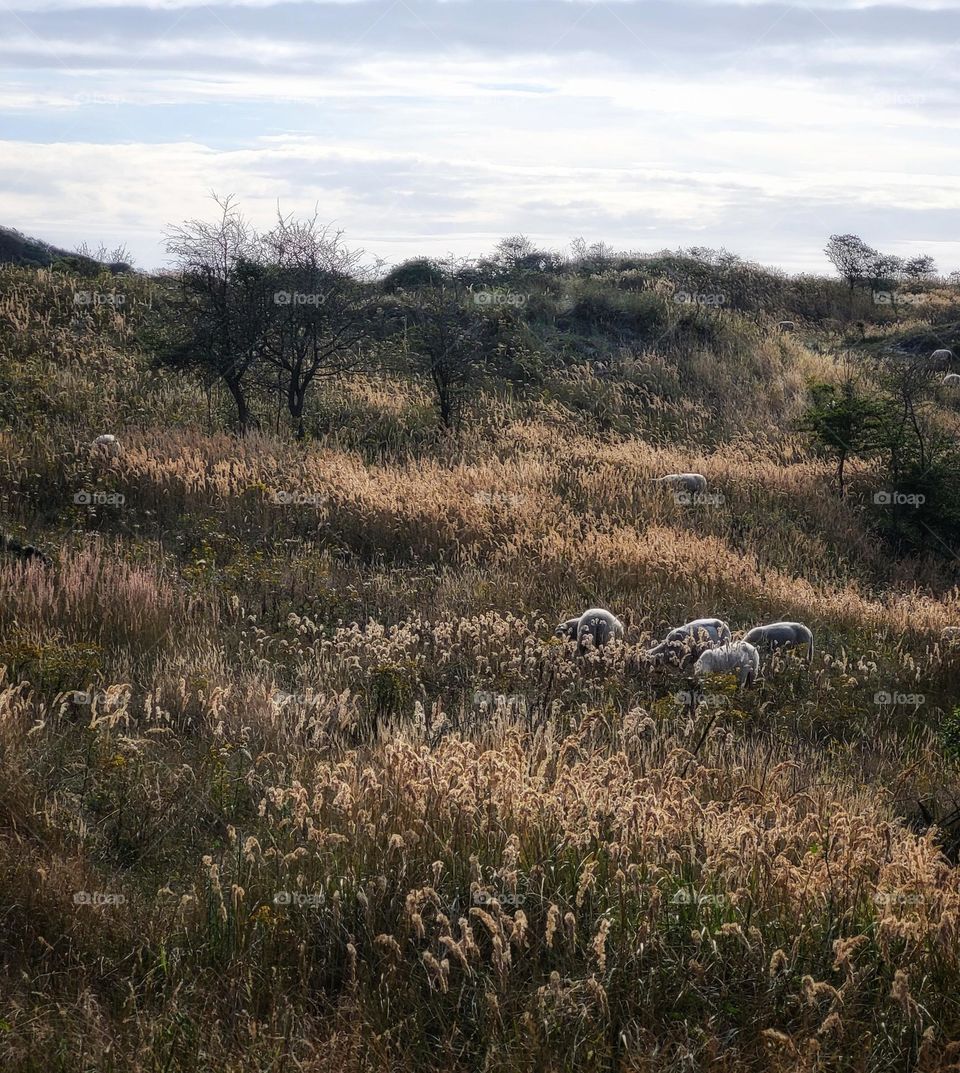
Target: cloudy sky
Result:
[438, 126]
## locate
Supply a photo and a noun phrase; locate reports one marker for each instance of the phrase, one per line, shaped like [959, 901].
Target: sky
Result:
[436, 127]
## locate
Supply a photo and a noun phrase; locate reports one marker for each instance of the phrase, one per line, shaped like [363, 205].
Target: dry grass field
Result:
[294, 775]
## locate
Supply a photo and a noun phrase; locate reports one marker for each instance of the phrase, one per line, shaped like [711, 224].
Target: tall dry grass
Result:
[623, 892]
[310, 785]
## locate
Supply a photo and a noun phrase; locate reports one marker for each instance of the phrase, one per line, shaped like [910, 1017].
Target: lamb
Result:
[689, 482]
[735, 657]
[593, 629]
[781, 635]
[952, 379]
[686, 642]
[107, 444]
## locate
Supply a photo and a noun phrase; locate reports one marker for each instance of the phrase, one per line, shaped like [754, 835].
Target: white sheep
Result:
[735, 657]
[689, 482]
[107, 444]
[688, 641]
[952, 379]
[942, 355]
[781, 635]
[593, 629]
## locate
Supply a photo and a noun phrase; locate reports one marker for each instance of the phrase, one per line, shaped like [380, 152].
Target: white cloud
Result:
[440, 126]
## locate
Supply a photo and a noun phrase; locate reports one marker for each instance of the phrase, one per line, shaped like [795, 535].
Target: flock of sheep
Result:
[944, 357]
[705, 643]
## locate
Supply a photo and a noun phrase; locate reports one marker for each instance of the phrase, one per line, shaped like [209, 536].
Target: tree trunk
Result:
[296, 400]
[446, 409]
[245, 419]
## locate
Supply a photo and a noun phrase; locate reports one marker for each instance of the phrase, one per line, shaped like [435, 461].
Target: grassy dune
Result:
[295, 776]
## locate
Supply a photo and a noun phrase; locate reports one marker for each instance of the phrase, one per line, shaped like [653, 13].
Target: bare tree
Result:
[320, 308]
[221, 316]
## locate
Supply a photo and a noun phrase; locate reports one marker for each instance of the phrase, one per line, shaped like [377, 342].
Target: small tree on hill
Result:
[408, 275]
[215, 328]
[920, 460]
[319, 312]
[918, 269]
[843, 422]
[446, 342]
[852, 258]
[459, 345]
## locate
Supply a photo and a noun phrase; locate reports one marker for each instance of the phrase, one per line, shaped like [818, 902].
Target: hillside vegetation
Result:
[296, 776]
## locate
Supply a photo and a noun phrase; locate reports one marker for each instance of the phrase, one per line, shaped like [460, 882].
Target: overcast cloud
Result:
[435, 126]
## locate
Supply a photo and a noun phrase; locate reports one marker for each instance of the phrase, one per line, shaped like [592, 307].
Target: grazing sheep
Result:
[596, 627]
[107, 444]
[686, 642]
[786, 326]
[689, 482]
[736, 657]
[593, 629]
[781, 635]
[952, 379]
[942, 356]
[23, 551]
